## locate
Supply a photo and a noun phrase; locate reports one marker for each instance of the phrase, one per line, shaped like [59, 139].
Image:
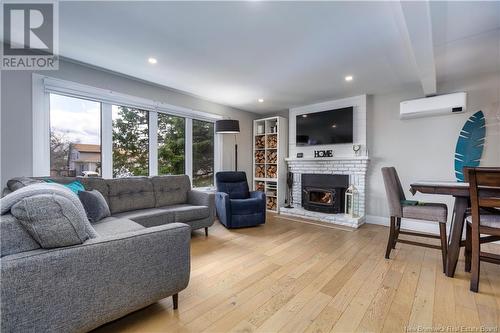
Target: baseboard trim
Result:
[408, 224]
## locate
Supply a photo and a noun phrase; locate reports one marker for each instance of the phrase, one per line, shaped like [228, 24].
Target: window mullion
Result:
[189, 148]
[153, 143]
[106, 141]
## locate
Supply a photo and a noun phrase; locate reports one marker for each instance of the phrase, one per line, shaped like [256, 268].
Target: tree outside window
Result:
[203, 153]
[171, 144]
[130, 142]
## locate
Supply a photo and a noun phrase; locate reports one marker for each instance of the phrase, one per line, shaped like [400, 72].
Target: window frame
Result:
[43, 86]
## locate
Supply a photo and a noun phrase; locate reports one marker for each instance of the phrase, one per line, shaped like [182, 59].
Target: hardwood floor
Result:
[288, 276]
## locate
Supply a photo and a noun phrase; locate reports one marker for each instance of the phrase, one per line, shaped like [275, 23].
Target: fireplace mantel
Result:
[319, 159]
[354, 166]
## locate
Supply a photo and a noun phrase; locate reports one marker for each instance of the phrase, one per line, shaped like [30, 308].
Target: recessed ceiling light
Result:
[334, 126]
[261, 100]
[152, 60]
[348, 78]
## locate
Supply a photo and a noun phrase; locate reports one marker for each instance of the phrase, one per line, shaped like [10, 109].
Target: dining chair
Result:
[484, 187]
[400, 208]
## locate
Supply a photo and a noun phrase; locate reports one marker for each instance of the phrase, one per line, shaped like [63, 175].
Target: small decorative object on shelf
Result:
[260, 129]
[356, 149]
[351, 201]
[323, 153]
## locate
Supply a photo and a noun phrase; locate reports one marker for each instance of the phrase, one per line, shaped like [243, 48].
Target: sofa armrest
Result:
[201, 198]
[79, 288]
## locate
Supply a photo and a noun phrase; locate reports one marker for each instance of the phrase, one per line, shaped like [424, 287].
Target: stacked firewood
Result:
[260, 171]
[260, 186]
[271, 171]
[272, 156]
[260, 142]
[272, 141]
[271, 203]
[259, 157]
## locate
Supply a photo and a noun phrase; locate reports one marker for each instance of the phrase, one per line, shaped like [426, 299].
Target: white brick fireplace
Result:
[355, 167]
[343, 162]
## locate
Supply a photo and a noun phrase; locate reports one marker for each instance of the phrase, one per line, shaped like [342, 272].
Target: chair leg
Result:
[206, 232]
[175, 300]
[444, 243]
[392, 238]
[396, 233]
[475, 260]
[468, 246]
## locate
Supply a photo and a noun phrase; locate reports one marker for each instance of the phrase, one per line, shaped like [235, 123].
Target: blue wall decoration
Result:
[470, 144]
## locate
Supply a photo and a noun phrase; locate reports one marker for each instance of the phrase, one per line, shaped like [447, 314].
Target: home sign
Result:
[323, 153]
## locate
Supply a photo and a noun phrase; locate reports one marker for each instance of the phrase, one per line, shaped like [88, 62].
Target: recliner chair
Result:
[236, 206]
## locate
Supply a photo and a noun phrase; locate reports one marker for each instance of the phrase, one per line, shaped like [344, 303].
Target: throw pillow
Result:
[52, 220]
[75, 186]
[19, 182]
[95, 205]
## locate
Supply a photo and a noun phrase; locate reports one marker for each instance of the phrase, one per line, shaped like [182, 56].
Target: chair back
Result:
[484, 188]
[394, 191]
[234, 183]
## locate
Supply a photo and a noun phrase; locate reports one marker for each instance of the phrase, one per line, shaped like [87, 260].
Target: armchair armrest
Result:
[201, 198]
[258, 194]
[109, 276]
[223, 205]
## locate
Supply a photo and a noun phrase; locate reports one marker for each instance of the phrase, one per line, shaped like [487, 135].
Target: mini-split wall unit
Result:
[433, 106]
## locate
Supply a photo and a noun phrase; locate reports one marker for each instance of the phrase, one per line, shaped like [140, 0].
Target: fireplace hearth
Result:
[324, 193]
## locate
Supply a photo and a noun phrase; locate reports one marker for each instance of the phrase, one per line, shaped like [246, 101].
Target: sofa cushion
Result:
[150, 217]
[171, 190]
[186, 213]
[95, 205]
[127, 194]
[110, 226]
[52, 220]
[13, 237]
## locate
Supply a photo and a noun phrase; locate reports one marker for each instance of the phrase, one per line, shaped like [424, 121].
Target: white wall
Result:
[344, 150]
[423, 149]
[16, 114]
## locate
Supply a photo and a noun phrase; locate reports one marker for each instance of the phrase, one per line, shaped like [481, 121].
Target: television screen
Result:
[326, 127]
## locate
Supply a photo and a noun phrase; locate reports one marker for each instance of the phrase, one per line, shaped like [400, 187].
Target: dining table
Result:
[460, 191]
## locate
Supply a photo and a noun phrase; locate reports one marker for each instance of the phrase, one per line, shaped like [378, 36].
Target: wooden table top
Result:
[441, 187]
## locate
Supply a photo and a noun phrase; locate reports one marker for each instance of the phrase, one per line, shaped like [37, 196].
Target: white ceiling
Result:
[289, 53]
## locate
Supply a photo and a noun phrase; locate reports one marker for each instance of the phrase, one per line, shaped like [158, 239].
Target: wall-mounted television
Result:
[325, 127]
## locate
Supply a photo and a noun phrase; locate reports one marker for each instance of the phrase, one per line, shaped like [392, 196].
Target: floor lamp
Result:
[229, 126]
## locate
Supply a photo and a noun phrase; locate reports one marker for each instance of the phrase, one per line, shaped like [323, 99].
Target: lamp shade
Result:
[227, 126]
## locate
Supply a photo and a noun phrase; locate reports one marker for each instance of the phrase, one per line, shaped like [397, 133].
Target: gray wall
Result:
[424, 148]
[16, 122]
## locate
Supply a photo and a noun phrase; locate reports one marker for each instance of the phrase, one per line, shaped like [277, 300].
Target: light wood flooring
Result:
[289, 276]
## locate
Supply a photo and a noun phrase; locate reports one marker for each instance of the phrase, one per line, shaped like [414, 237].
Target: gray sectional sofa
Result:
[141, 255]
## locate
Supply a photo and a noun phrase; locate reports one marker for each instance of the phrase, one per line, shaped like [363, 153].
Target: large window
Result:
[91, 132]
[75, 136]
[203, 153]
[171, 144]
[130, 142]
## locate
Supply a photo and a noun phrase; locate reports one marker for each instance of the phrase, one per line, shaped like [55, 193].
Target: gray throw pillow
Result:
[16, 183]
[52, 220]
[95, 205]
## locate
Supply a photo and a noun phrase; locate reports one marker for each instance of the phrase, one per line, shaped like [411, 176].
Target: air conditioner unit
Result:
[433, 106]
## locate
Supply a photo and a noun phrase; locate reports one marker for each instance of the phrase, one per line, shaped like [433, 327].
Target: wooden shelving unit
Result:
[270, 147]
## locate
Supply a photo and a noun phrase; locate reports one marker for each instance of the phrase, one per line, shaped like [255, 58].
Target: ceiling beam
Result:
[415, 25]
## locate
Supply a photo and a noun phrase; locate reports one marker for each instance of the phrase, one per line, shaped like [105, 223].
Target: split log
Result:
[272, 141]
[260, 142]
